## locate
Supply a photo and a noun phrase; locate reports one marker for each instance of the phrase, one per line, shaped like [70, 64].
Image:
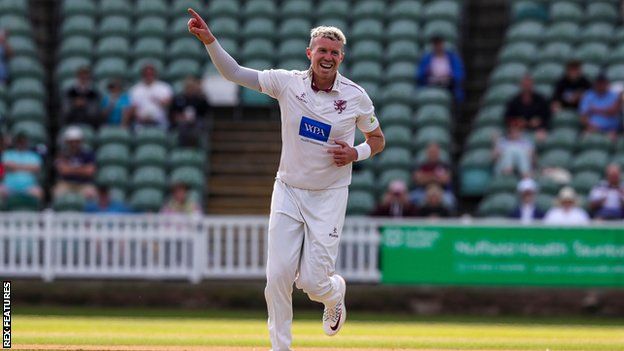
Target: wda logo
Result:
[312, 129]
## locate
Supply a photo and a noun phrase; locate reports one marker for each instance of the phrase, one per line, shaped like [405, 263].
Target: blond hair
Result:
[329, 32]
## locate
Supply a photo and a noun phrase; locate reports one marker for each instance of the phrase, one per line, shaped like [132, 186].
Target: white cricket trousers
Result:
[304, 232]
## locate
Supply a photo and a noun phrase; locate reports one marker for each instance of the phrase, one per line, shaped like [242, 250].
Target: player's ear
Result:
[309, 53]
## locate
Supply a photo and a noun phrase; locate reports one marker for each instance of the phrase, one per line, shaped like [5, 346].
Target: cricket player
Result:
[319, 112]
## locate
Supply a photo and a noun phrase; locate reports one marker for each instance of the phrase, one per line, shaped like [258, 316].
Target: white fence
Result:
[52, 245]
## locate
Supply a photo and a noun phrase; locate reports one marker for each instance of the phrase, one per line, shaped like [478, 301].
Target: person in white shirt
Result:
[320, 110]
[150, 100]
[566, 213]
[607, 197]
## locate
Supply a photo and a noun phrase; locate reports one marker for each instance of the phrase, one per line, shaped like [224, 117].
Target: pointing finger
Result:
[195, 15]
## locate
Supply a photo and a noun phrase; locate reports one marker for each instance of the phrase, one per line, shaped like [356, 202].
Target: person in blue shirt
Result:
[443, 68]
[115, 105]
[600, 108]
[22, 166]
[104, 203]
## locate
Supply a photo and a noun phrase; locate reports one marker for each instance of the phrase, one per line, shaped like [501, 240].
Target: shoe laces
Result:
[332, 313]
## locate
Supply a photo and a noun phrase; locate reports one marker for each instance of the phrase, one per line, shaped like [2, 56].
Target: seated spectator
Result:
[5, 53]
[188, 110]
[150, 100]
[181, 202]
[600, 108]
[607, 197]
[570, 88]
[514, 151]
[104, 203]
[442, 67]
[81, 103]
[433, 171]
[22, 166]
[115, 104]
[75, 166]
[566, 212]
[529, 108]
[433, 206]
[395, 202]
[527, 210]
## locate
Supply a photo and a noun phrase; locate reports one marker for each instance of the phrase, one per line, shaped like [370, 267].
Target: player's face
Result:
[325, 57]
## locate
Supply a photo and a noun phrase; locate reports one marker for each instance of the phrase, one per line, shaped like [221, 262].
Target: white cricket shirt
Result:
[311, 121]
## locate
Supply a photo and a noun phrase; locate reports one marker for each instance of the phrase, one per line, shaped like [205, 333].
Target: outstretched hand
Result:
[198, 27]
[344, 154]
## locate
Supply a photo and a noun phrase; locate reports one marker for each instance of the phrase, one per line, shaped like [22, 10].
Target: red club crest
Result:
[340, 105]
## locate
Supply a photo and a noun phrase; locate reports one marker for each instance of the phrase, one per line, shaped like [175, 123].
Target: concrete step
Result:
[256, 180]
[236, 146]
[247, 157]
[236, 190]
[243, 169]
[239, 204]
[228, 125]
[246, 136]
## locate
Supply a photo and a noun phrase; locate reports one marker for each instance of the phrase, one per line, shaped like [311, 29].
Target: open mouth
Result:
[326, 65]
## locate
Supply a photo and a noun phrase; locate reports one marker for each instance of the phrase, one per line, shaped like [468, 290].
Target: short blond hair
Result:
[329, 32]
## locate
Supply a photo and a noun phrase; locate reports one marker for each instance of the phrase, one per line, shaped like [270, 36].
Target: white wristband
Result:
[363, 151]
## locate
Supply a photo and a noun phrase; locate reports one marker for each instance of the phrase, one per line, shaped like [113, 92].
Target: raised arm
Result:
[225, 64]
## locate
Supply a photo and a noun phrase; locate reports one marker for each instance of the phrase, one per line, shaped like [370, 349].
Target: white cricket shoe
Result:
[334, 317]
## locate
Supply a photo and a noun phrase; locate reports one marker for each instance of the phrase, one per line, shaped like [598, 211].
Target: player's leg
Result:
[284, 248]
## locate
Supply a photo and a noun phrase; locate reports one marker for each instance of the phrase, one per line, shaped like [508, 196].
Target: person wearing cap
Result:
[600, 108]
[180, 202]
[527, 211]
[150, 100]
[75, 166]
[189, 110]
[395, 202]
[115, 104]
[514, 151]
[566, 212]
[104, 203]
[433, 206]
[442, 67]
[529, 108]
[607, 197]
[22, 166]
[570, 88]
[81, 103]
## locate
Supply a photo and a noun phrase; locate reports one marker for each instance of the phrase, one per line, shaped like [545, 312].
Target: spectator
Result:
[150, 100]
[105, 204]
[527, 211]
[22, 166]
[607, 198]
[566, 212]
[181, 202]
[395, 202]
[443, 68]
[433, 207]
[5, 53]
[433, 171]
[514, 151]
[82, 101]
[115, 104]
[188, 111]
[529, 108]
[570, 88]
[600, 108]
[75, 166]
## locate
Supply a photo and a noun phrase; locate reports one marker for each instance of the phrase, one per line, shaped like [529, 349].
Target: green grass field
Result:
[107, 329]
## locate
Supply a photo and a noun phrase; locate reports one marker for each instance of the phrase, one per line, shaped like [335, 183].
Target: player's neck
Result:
[323, 84]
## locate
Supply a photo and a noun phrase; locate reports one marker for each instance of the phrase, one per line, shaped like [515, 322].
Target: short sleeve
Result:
[366, 119]
[274, 81]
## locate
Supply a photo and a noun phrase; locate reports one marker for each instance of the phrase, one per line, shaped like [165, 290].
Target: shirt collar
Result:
[335, 86]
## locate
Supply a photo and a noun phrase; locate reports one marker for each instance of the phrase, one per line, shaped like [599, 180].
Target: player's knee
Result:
[278, 277]
[313, 285]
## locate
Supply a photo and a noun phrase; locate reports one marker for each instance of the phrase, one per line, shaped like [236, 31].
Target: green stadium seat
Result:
[500, 94]
[548, 186]
[16, 25]
[154, 26]
[292, 49]
[147, 200]
[594, 141]
[110, 8]
[556, 51]
[556, 158]
[616, 54]
[421, 157]
[110, 67]
[398, 93]
[117, 25]
[433, 96]
[566, 11]
[22, 46]
[518, 52]
[528, 10]
[428, 135]
[480, 158]
[563, 32]
[561, 138]
[191, 176]
[76, 46]
[179, 8]
[599, 32]
[113, 155]
[366, 71]
[395, 114]
[78, 7]
[530, 31]
[619, 145]
[150, 155]
[474, 181]
[373, 90]
[154, 136]
[27, 110]
[483, 137]
[22, 202]
[601, 12]
[69, 202]
[367, 29]
[25, 67]
[444, 29]
[260, 8]
[149, 177]
[619, 160]
[508, 73]
[403, 30]
[400, 71]
[544, 89]
[368, 9]
[491, 116]
[395, 157]
[590, 160]
[367, 50]
[333, 9]
[565, 118]
[360, 203]
[432, 115]
[295, 28]
[258, 49]
[548, 72]
[225, 28]
[147, 8]
[398, 136]
[404, 9]
[544, 201]
[294, 64]
[296, 9]
[387, 176]
[139, 64]
[112, 176]
[187, 48]
[178, 28]
[402, 50]
[14, 7]
[223, 8]
[497, 205]
[615, 72]
[77, 25]
[35, 131]
[3, 108]
[25, 88]
[113, 135]
[592, 52]
[442, 10]
[583, 182]
[113, 47]
[149, 48]
[502, 184]
[363, 180]
[185, 157]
